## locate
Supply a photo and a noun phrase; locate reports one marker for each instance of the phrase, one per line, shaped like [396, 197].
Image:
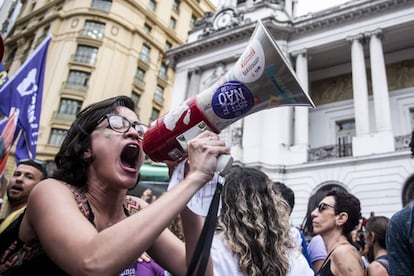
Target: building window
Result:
[345, 130]
[135, 98]
[42, 36]
[10, 57]
[159, 95]
[27, 49]
[168, 45]
[147, 28]
[176, 6]
[56, 136]
[93, 29]
[173, 22]
[163, 71]
[69, 106]
[144, 55]
[104, 5]
[412, 117]
[193, 21]
[152, 5]
[155, 113]
[78, 80]
[86, 54]
[139, 78]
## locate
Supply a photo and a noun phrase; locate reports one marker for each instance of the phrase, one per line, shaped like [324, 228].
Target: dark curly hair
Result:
[71, 166]
[350, 204]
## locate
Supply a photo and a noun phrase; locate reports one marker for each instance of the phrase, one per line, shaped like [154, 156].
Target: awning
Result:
[156, 172]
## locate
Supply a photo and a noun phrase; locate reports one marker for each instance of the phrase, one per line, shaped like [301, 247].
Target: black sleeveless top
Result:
[326, 269]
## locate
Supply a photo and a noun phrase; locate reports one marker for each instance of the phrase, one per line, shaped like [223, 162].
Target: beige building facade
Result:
[100, 49]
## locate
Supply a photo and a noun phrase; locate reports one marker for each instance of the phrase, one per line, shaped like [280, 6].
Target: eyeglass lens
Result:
[121, 124]
[322, 206]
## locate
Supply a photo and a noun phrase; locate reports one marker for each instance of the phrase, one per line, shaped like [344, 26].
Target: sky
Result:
[306, 6]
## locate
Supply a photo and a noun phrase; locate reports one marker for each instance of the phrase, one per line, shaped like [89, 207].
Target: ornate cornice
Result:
[219, 39]
[227, 36]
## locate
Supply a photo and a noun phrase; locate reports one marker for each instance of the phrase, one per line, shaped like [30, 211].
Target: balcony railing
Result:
[344, 148]
[402, 142]
[91, 34]
[330, 152]
[64, 116]
[144, 57]
[158, 99]
[84, 60]
[139, 83]
[75, 87]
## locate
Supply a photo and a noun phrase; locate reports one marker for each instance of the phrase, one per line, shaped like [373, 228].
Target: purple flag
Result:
[4, 78]
[24, 92]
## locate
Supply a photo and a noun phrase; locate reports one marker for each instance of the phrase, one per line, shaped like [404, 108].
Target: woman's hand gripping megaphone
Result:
[208, 154]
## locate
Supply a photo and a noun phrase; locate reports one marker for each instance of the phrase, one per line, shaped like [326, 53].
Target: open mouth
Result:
[130, 155]
[16, 188]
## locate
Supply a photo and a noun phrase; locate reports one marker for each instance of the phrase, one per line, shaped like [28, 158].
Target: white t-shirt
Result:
[226, 263]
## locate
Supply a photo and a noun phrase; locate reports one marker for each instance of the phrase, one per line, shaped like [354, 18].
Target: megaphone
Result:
[260, 79]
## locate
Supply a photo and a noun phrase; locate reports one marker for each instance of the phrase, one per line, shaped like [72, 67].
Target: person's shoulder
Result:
[375, 268]
[403, 215]
[345, 251]
[50, 189]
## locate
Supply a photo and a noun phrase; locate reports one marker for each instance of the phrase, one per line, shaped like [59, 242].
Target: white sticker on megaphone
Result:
[250, 66]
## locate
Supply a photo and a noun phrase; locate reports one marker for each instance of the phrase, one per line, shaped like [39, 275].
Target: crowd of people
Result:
[80, 220]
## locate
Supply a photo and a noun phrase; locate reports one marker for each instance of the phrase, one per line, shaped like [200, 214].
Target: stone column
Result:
[383, 136]
[379, 82]
[194, 82]
[359, 85]
[301, 134]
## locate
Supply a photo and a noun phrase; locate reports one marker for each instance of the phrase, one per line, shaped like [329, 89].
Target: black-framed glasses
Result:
[323, 206]
[121, 124]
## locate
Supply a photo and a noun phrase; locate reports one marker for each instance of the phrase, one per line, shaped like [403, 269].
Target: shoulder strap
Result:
[384, 262]
[329, 255]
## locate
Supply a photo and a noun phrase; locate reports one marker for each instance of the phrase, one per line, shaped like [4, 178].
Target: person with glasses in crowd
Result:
[28, 173]
[80, 221]
[337, 215]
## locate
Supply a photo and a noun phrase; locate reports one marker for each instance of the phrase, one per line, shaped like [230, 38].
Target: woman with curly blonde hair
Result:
[252, 234]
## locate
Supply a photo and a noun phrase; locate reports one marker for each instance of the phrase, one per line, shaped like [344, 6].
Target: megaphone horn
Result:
[260, 79]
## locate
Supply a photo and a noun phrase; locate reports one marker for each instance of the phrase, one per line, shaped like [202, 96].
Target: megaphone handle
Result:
[224, 163]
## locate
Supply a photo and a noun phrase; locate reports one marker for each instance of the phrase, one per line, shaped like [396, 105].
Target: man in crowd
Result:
[26, 175]
[400, 236]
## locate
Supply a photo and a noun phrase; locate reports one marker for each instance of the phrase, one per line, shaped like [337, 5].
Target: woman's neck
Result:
[333, 239]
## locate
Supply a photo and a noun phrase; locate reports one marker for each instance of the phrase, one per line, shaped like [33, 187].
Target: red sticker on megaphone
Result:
[249, 67]
[232, 100]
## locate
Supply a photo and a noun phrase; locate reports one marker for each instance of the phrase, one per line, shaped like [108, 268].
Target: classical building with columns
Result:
[355, 60]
